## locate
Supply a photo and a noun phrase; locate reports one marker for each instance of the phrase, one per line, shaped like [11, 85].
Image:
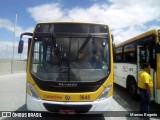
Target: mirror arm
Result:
[21, 42]
[26, 33]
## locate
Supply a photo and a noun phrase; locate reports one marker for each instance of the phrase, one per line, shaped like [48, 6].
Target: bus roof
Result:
[72, 22]
[152, 31]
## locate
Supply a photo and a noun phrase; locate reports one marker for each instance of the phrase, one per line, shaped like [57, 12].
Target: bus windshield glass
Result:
[74, 58]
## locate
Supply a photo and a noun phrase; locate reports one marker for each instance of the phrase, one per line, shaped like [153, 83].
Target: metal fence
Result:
[7, 66]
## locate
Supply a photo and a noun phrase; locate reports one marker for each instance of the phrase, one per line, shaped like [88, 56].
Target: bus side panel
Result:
[121, 72]
[158, 79]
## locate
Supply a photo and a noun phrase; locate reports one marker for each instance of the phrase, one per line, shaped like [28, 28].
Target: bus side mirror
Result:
[158, 47]
[20, 46]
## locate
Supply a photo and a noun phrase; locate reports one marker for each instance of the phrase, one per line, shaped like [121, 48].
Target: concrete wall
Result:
[17, 66]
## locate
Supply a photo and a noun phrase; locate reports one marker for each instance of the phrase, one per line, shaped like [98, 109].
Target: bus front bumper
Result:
[54, 106]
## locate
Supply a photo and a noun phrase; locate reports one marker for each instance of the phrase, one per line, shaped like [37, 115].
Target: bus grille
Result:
[77, 108]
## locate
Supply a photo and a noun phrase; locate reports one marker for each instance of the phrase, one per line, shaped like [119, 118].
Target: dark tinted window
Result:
[71, 28]
[118, 56]
[129, 53]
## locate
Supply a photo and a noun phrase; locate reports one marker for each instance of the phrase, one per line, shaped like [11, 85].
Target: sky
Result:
[126, 18]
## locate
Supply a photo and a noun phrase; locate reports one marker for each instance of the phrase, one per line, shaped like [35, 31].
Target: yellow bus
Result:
[129, 56]
[69, 67]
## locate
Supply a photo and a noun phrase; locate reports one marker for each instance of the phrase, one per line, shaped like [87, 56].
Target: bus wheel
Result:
[132, 87]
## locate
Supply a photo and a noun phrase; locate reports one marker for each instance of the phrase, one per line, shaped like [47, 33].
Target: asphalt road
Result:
[12, 98]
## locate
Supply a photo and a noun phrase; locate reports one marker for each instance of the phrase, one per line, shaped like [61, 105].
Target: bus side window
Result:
[119, 57]
[142, 55]
[152, 56]
[130, 57]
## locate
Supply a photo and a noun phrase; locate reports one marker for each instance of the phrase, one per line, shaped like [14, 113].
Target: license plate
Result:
[68, 112]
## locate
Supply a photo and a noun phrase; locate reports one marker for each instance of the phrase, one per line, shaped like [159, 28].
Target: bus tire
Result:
[132, 88]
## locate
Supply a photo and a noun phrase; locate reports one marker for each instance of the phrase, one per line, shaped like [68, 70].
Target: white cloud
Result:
[129, 13]
[95, 13]
[54, 12]
[124, 34]
[47, 12]
[126, 16]
[7, 24]
[154, 26]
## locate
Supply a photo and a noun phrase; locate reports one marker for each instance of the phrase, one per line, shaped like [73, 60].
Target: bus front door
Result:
[143, 56]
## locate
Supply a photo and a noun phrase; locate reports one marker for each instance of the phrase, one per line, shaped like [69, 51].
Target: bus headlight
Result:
[105, 92]
[32, 91]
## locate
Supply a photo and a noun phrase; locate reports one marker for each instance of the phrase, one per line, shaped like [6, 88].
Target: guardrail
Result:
[9, 66]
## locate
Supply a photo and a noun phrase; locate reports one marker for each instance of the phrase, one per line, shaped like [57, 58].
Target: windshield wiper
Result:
[57, 51]
[84, 44]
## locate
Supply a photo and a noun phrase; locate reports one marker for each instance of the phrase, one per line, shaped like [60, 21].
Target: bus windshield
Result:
[74, 58]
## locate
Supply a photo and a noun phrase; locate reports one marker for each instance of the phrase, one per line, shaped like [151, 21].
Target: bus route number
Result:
[84, 97]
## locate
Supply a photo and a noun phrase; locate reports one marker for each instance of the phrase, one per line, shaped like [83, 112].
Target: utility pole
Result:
[14, 37]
